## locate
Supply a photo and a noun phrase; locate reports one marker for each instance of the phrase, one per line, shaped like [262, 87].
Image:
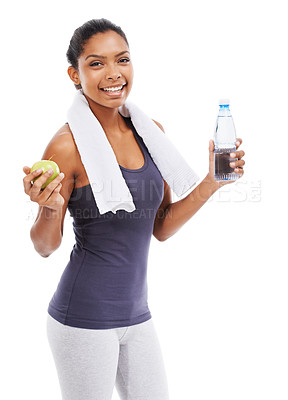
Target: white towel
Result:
[109, 188]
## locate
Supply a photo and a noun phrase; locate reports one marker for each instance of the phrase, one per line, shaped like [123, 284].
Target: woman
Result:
[99, 325]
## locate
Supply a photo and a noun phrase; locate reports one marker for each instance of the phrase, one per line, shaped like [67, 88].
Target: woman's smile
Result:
[114, 91]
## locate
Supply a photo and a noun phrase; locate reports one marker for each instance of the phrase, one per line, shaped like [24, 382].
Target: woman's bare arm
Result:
[47, 230]
[171, 217]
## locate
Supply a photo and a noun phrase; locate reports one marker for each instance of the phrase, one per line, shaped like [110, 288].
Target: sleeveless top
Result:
[104, 284]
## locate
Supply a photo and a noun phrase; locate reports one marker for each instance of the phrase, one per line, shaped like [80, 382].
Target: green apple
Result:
[45, 165]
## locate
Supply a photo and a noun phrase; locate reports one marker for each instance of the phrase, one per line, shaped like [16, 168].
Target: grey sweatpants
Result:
[90, 362]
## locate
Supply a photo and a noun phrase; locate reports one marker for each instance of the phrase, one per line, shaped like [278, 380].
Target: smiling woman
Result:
[99, 325]
[106, 71]
[94, 69]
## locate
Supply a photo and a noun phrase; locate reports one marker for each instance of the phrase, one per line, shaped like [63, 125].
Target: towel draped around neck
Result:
[108, 185]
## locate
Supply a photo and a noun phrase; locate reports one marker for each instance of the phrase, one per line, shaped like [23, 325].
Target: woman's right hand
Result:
[49, 197]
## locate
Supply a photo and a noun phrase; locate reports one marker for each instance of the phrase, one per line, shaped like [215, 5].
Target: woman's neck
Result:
[109, 118]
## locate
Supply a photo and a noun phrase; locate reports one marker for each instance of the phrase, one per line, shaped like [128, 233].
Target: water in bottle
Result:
[224, 141]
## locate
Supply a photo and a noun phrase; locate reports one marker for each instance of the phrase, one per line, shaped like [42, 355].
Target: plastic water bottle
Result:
[225, 143]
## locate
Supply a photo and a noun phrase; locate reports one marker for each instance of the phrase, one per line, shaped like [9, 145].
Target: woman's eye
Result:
[124, 60]
[95, 64]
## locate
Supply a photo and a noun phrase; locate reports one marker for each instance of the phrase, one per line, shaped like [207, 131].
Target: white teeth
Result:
[113, 89]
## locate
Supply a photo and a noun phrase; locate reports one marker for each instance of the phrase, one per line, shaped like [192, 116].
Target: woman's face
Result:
[105, 64]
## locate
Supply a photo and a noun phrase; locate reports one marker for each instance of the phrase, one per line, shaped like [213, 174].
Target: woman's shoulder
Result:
[63, 135]
[62, 148]
[62, 145]
[63, 140]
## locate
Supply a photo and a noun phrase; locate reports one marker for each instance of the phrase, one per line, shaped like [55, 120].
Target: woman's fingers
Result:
[239, 171]
[26, 169]
[53, 186]
[237, 154]
[235, 164]
[238, 142]
[238, 163]
[35, 190]
[50, 196]
[37, 185]
[29, 177]
[211, 145]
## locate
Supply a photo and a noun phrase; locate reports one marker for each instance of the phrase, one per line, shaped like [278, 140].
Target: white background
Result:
[218, 288]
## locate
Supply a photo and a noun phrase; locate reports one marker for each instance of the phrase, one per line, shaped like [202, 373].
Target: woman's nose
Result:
[112, 73]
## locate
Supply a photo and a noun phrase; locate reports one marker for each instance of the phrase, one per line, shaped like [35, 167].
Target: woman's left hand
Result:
[237, 165]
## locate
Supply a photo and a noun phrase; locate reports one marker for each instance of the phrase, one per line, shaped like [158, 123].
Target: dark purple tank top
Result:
[104, 284]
